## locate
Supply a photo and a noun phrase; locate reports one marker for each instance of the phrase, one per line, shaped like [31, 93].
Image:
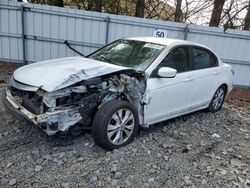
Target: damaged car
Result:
[128, 84]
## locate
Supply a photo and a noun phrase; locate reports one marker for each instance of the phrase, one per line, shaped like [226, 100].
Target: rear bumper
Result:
[50, 122]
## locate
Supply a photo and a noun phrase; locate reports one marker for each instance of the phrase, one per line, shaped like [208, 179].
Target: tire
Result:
[218, 99]
[108, 130]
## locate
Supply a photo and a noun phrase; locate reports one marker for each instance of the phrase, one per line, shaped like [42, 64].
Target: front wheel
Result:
[115, 124]
[218, 99]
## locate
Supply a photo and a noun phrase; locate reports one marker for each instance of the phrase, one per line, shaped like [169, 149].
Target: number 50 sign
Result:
[160, 33]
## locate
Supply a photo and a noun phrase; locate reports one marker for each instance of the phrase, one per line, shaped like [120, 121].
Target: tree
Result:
[140, 4]
[232, 14]
[216, 14]
[58, 3]
[247, 19]
[178, 12]
[197, 11]
[159, 9]
[98, 5]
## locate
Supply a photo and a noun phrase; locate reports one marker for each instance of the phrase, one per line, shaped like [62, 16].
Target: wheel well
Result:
[225, 87]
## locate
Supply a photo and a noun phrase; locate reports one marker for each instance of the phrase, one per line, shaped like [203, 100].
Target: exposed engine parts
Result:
[61, 109]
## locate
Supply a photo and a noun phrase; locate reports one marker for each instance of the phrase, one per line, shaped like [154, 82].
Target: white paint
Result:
[165, 97]
[186, 92]
[59, 73]
[54, 74]
[167, 72]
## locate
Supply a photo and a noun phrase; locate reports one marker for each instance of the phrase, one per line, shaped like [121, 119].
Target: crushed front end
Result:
[61, 109]
[42, 108]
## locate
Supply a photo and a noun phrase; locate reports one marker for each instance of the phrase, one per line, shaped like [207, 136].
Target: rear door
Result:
[204, 64]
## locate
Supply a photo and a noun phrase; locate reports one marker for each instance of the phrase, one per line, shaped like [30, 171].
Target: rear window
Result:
[202, 59]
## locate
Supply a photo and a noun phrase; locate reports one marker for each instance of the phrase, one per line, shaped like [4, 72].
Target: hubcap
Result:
[120, 126]
[218, 98]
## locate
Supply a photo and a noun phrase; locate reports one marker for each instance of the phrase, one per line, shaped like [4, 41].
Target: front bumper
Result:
[50, 122]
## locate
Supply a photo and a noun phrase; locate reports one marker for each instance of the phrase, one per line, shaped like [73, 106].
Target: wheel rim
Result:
[218, 98]
[120, 126]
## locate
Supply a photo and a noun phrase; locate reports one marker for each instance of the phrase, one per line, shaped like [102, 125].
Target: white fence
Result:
[31, 32]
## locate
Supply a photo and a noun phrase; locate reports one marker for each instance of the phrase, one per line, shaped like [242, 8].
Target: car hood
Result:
[55, 74]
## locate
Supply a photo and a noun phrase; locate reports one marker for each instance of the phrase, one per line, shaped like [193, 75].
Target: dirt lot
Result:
[197, 150]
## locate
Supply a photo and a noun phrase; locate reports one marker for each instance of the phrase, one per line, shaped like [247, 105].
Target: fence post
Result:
[186, 30]
[23, 34]
[107, 30]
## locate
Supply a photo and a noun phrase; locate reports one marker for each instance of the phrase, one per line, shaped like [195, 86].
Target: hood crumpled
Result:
[56, 74]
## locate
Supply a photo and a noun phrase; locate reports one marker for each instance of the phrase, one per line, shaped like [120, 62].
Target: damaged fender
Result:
[61, 109]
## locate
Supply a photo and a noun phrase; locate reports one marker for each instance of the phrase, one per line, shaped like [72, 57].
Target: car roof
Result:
[166, 41]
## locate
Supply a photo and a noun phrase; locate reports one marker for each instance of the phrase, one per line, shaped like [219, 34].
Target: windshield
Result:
[129, 53]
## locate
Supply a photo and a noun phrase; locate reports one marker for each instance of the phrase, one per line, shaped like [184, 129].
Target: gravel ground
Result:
[196, 150]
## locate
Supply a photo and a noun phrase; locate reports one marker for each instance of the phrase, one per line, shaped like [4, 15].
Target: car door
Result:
[204, 64]
[169, 97]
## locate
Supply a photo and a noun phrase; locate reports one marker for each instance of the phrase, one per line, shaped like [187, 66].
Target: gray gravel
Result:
[197, 150]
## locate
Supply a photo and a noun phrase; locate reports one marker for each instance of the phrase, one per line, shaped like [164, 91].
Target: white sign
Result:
[160, 33]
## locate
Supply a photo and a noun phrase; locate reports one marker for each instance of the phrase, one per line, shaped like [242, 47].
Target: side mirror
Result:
[167, 72]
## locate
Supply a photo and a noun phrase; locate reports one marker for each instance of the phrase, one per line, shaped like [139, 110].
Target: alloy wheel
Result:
[120, 126]
[218, 98]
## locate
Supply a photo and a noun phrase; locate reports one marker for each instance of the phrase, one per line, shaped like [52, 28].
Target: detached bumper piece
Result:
[50, 122]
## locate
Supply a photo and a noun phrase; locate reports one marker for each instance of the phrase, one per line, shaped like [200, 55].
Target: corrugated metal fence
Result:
[31, 32]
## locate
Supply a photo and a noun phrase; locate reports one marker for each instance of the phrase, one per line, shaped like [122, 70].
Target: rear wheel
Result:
[115, 124]
[218, 99]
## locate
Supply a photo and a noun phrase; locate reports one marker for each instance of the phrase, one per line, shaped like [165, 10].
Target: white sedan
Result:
[129, 83]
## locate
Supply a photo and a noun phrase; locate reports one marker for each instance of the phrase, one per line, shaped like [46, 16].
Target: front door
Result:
[169, 97]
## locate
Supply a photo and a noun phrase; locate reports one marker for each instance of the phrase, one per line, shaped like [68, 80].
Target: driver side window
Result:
[177, 59]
